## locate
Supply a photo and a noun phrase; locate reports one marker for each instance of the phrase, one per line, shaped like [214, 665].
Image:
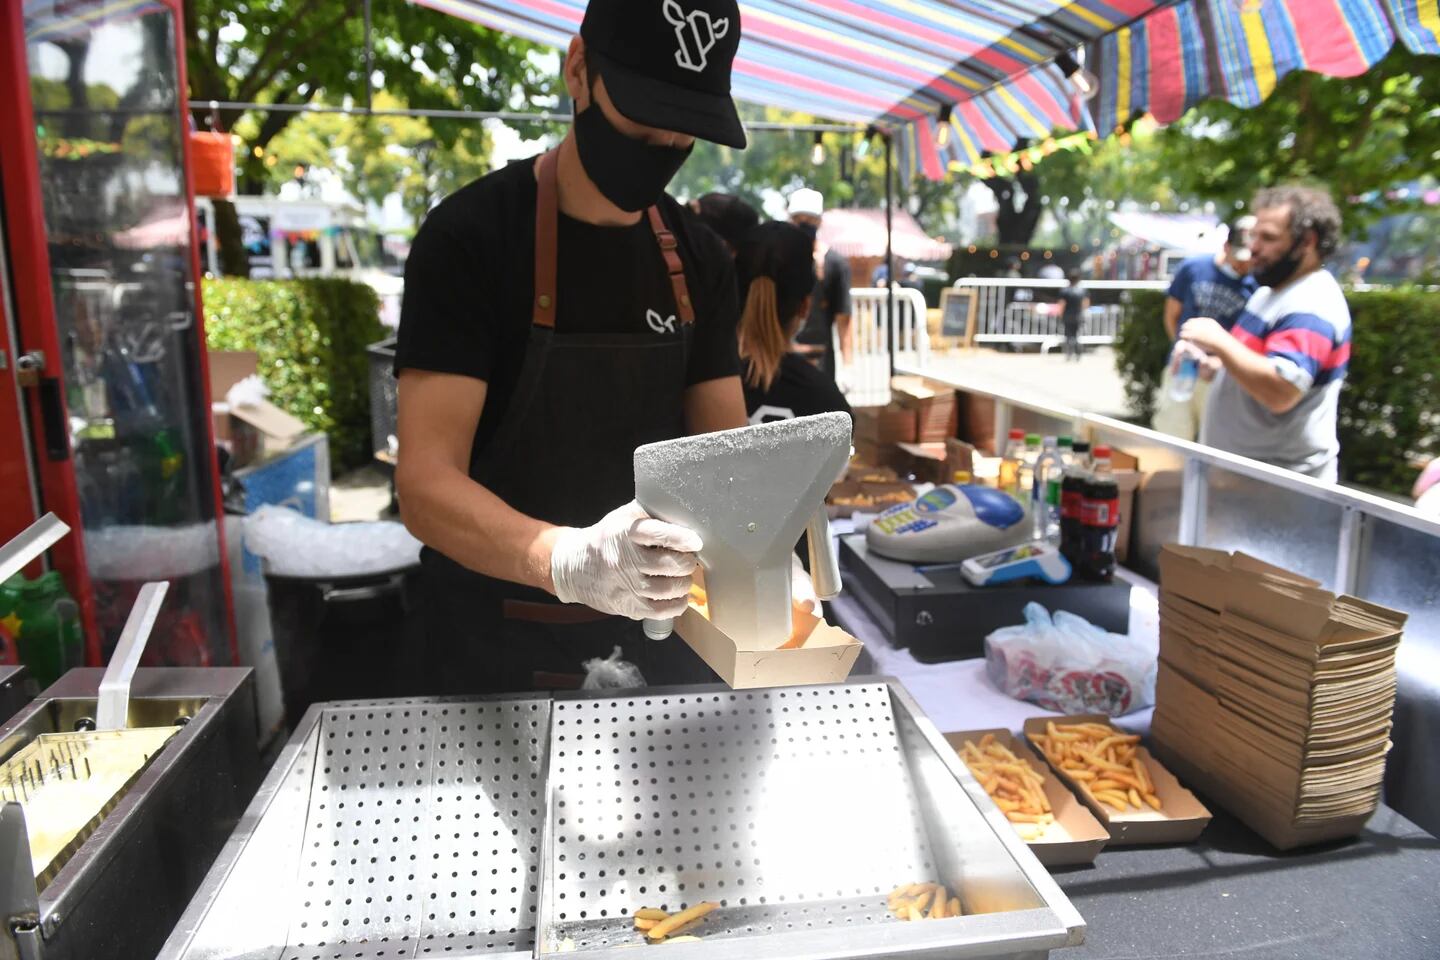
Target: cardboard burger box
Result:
[1273, 695]
[1075, 837]
[936, 413]
[1180, 819]
[816, 653]
[250, 431]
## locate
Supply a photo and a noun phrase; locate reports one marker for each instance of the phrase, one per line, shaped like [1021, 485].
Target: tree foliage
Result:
[1357, 136]
[302, 52]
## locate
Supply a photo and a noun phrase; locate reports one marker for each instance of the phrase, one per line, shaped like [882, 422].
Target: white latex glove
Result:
[802, 591]
[628, 564]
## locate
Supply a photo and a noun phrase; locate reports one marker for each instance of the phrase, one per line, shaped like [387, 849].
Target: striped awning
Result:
[896, 62]
[1238, 50]
[991, 62]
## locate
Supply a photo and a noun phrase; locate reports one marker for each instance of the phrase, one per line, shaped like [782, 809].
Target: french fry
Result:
[650, 913]
[1013, 784]
[914, 914]
[937, 912]
[1103, 761]
[954, 909]
[642, 924]
[671, 924]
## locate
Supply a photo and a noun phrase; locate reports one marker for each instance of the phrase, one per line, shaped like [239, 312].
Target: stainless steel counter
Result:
[522, 827]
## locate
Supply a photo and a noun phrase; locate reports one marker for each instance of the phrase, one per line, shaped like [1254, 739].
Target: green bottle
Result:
[50, 639]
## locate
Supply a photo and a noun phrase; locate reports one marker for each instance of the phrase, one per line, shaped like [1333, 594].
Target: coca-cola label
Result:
[1100, 513]
[1071, 502]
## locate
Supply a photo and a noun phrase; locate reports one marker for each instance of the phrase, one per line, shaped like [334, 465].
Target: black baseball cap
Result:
[666, 63]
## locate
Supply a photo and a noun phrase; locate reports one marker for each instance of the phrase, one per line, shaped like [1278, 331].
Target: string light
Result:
[817, 152]
[942, 136]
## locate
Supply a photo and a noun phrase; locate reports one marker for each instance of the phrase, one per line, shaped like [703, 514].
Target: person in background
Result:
[729, 216]
[830, 300]
[1205, 286]
[1052, 271]
[1277, 398]
[1074, 301]
[908, 279]
[775, 266]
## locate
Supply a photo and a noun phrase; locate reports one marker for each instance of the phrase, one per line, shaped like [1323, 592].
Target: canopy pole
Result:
[889, 256]
[369, 58]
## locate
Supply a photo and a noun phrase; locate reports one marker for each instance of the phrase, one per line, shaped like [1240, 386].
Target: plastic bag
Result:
[612, 673]
[294, 545]
[1069, 665]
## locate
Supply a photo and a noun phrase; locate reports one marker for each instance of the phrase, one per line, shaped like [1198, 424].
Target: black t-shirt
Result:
[470, 279]
[830, 299]
[1073, 298]
[799, 390]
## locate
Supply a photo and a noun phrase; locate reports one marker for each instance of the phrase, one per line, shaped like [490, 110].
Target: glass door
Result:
[105, 85]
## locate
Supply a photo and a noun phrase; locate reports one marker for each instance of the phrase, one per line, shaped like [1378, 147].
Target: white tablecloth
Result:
[958, 695]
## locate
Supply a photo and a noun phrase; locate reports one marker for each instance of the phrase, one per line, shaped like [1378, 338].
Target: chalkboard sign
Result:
[955, 309]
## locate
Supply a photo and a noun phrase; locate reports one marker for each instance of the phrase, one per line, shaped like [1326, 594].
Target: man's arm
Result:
[1255, 372]
[715, 405]
[441, 505]
[839, 296]
[1172, 317]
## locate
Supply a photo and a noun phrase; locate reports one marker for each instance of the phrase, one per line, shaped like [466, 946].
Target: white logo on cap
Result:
[658, 323]
[696, 33]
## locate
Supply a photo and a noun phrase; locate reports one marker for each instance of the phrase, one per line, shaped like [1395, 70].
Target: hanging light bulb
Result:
[942, 136]
[1087, 85]
[817, 152]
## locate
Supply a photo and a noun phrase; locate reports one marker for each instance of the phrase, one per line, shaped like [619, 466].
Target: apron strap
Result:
[546, 228]
[670, 250]
[547, 219]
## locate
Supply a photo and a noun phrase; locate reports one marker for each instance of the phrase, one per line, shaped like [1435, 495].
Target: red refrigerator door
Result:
[104, 224]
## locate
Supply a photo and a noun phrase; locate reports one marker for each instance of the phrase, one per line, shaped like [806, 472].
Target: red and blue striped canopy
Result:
[895, 62]
[898, 62]
[1239, 50]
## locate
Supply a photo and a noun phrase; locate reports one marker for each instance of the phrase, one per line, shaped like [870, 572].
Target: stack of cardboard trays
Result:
[1274, 696]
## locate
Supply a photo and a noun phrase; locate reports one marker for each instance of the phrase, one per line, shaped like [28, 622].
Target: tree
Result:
[780, 161]
[381, 154]
[1356, 135]
[312, 51]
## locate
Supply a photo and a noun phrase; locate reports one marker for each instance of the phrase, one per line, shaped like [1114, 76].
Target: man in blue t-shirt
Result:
[1206, 286]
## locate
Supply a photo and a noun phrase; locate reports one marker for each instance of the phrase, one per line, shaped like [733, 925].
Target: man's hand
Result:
[1206, 334]
[1210, 368]
[628, 564]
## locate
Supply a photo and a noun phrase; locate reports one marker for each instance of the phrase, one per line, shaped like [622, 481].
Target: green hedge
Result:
[311, 337]
[1389, 407]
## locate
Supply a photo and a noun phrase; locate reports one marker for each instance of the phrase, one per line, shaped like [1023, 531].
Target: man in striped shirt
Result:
[1277, 398]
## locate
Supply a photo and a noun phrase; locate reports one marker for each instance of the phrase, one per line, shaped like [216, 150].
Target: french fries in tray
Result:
[1016, 787]
[1102, 761]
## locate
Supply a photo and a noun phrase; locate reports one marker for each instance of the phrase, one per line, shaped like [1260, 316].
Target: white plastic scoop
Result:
[749, 493]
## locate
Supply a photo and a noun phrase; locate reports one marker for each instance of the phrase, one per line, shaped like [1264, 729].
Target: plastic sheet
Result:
[294, 545]
[612, 673]
[1066, 664]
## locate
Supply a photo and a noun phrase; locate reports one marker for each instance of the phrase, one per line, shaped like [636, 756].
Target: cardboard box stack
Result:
[1274, 696]
[933, 405]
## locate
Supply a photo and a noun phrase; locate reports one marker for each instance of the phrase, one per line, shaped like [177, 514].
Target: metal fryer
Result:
[129, 880]
[541, 828]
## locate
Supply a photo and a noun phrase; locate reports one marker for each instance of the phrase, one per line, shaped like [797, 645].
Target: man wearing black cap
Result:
[559, 313]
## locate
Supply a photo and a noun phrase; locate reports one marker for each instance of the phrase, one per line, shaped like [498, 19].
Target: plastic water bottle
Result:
[1182, 387]
[1048, 466]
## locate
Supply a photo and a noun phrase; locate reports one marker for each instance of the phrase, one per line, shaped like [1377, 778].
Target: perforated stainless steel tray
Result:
[542, 825]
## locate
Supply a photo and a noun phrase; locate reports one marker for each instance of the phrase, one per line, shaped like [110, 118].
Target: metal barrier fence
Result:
[866, 378]
[1017, 311]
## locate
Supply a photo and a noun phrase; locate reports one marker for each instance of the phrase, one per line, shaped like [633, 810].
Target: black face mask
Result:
[811, 230]
[1281, 270]
[631, 174]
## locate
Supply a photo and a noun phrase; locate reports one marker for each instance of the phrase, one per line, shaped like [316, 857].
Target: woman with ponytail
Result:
[775, 266]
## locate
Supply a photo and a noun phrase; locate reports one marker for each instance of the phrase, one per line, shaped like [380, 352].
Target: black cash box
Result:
[939, 616]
